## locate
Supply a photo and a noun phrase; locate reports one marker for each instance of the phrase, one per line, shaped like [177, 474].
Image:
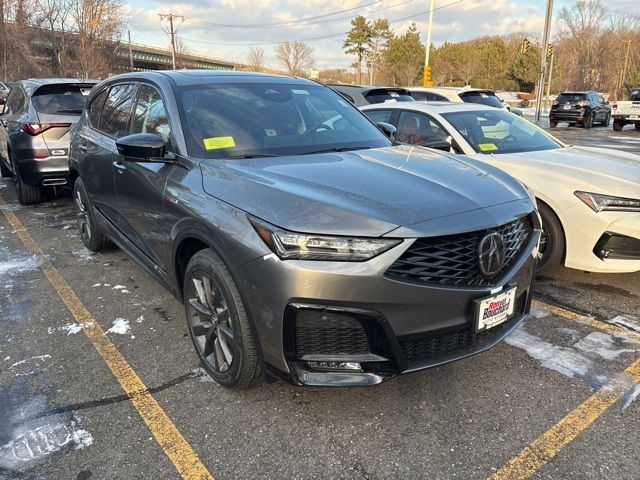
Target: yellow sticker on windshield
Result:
[214, 143]
[487, 147]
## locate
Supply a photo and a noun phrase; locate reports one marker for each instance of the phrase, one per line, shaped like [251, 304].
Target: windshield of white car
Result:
[266, 119]
[497, 131]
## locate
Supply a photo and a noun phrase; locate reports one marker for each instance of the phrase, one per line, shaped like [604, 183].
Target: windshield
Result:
[61, 99]
[267, 119]
[482, 98]
[497, 131]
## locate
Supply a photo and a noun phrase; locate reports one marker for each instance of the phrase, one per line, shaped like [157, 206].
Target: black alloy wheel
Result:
[90, 233]
[552, 242]
[218, 324]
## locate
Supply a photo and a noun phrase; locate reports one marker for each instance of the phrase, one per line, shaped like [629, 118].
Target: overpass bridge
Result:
[146, 57]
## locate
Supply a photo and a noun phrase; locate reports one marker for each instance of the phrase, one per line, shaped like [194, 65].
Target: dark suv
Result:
[361, 95]
[299, 238]
[584, 108]
[34, 132]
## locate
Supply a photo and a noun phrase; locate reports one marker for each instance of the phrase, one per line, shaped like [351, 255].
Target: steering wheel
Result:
[319, 127]
[508, 138]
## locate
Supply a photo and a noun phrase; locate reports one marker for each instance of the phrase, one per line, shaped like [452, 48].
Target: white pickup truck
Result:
[625, 113]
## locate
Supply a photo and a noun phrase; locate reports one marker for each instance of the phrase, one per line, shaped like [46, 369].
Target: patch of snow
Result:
[19, 265]
[29, 360]
[118, 287]
[10, 207]
[202, 375]
[629, 321]
[84, 254]
[140, 319]
[125, 291]
[96, 285]
[631, 396]
[601, 344]
[120, 326]
[70, 327]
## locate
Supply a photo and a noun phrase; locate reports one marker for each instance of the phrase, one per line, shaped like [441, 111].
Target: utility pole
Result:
[172, 34]
[543, 60]
[130, 53]
[426, 80]
[546, 100]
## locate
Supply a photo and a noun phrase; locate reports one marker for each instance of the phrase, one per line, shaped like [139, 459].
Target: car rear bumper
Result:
[568, 116]
[44, 171]
[312, 316]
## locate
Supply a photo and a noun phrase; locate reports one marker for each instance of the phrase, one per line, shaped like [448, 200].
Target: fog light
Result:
[351, 366]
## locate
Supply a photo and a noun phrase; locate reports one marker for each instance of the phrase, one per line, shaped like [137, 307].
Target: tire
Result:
[618, 125]
[27, 194]
[588, 123]
[553, 123]
[552, 244]
[92, 237]
[218, 323]
[637, 126]
[607, 120]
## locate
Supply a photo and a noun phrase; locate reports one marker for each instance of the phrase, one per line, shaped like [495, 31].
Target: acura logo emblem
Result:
[491, 254]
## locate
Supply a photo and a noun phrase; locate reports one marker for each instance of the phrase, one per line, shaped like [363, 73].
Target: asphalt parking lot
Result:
[98, 379]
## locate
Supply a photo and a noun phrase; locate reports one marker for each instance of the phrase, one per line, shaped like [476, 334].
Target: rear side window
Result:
[60, 99]
[571, 97]
[114, 119]
[15, 101]
[635, 96]
[379, 115]
[95, 108]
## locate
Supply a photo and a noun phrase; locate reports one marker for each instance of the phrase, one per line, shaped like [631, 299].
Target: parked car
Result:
[588, 198]
[361, 95]
[584, 108]
[34, 133]
[627, 113]
[301, 241]
[461, 95]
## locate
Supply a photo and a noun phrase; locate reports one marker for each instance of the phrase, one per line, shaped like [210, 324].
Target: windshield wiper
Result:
[336, 149]
[252, 155]
[68, 110]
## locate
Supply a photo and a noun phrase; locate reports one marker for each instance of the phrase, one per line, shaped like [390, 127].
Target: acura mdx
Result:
[303, 242]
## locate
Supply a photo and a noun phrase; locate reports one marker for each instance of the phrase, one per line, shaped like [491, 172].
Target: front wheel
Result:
[218, 323]
[588, 123]
[552, 242]
[553, 123]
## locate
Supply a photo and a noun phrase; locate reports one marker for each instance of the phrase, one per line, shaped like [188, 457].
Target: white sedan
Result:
[589, 198]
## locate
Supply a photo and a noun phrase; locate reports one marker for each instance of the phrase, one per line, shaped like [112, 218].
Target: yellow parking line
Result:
[589, 321]
[549, 444]
[174, 445]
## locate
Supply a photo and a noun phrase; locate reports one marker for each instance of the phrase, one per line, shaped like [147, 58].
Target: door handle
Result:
[119, 166]
[83, 148]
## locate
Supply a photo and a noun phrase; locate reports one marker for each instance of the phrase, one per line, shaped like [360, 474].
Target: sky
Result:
[226, 29]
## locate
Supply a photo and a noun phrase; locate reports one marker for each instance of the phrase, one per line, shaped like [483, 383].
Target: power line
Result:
[289, 22]
[321, 37]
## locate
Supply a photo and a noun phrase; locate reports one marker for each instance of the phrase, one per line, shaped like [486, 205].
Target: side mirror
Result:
[141, 147]
[439, 145]
[388, 129]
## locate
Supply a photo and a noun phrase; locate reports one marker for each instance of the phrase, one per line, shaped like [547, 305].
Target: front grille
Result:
[432, 347]
[327, 333]
[452, 259]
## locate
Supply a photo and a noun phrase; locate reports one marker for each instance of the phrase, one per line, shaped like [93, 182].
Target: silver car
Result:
[34, 133]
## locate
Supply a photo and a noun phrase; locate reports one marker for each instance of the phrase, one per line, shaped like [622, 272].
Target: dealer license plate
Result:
[495, 309]
[567, 107]
[634, 117]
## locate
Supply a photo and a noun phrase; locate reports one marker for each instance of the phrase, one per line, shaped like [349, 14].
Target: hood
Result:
[589, 165]
[364, 192]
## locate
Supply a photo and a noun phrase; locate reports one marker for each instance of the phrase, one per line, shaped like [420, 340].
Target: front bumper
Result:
[586, 234]
[409, 326]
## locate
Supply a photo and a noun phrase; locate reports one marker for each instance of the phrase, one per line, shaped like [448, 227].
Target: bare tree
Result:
[256, 59]
[296, 57]
[56, 18]
[182, 50]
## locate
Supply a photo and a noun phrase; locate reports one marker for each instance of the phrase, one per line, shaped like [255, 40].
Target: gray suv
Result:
[34, 133]
[301, 240]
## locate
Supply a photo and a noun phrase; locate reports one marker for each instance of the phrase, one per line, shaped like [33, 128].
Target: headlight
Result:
[300, 246]
[599, 203]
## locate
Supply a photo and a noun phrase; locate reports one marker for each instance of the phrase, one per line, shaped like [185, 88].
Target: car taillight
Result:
[34, 129]
[614, 106]
[555, 103]
[583, 103]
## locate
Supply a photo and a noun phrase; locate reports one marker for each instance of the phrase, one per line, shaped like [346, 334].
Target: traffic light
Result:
[426, 81]
[526, 44]
[549, 50]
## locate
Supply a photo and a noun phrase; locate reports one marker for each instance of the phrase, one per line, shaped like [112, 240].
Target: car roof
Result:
[197, 77]
[433, 107]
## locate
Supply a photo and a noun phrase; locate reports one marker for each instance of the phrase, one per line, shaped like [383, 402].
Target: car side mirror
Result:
[142, 147]
[439, 145]
[388, 129]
